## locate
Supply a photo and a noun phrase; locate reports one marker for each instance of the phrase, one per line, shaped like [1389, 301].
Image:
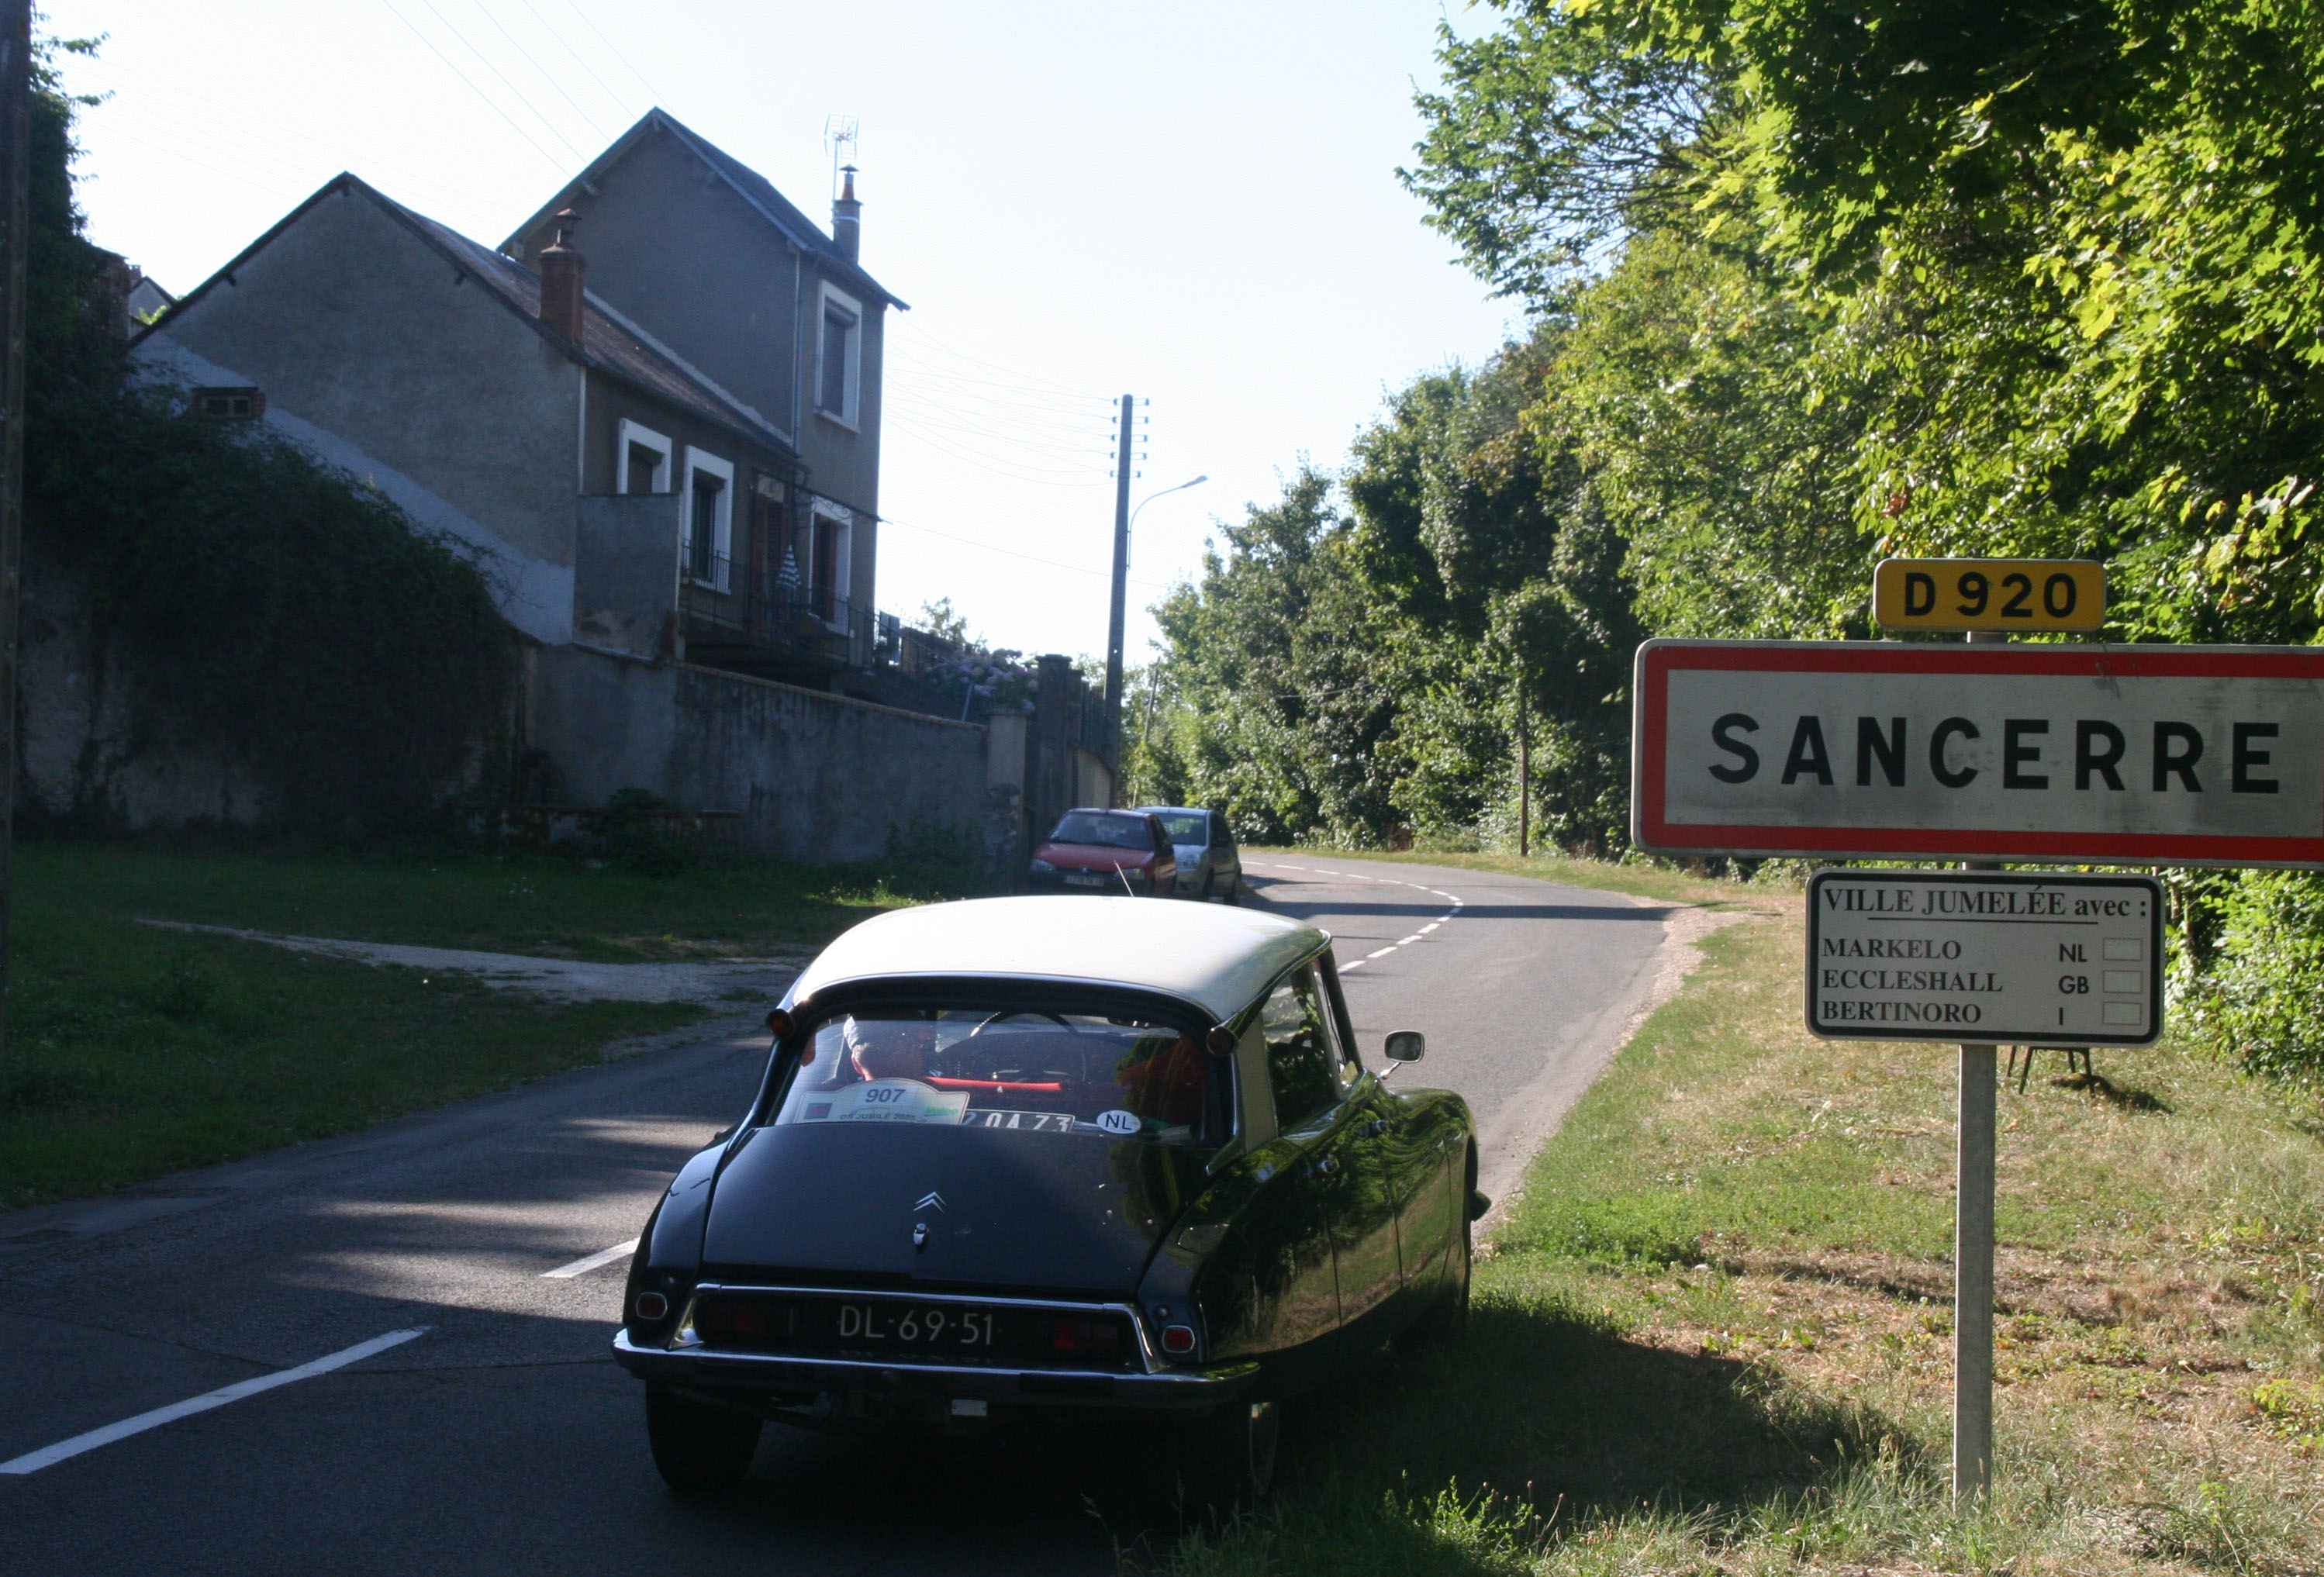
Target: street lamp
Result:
[1113, 635]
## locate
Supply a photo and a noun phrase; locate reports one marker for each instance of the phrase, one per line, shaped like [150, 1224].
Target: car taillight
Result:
[735, 1320]
[1178, 1341]
[1085, 1338]
[651, 1306]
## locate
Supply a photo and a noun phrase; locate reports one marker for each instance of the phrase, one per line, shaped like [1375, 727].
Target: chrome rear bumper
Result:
[1167, 1391]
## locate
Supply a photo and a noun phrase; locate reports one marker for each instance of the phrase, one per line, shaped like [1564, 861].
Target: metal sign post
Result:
[1980, 957]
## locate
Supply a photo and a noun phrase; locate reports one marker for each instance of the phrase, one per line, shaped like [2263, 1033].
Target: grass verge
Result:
[1714, 1334]
[536, 904]
[133, 1051]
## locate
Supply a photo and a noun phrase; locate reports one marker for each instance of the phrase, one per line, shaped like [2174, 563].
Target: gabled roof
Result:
[609, 344]
[753, 188]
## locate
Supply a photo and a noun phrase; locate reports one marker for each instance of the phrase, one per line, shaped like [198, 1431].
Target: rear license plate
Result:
[913, 1329]
[1085, 881]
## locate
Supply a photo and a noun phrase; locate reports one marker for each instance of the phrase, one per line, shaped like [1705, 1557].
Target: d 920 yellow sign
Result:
[1989, 594]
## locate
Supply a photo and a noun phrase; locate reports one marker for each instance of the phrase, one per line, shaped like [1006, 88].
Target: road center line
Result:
[588, 1263]
[48, 1455]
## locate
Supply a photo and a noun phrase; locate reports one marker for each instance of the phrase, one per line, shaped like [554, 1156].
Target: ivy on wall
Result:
[266, 602]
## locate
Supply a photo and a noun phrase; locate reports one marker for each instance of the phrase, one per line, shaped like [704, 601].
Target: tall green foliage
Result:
[1814, 283]
[267, 603]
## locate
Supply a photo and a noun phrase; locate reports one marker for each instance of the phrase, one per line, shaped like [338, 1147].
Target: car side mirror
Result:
[1406, 1045]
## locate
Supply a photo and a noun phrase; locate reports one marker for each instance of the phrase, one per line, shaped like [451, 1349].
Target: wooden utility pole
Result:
[1114, 630]
[15, 137]
[1525, 777]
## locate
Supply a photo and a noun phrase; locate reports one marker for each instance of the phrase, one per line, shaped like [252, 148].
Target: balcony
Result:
[802, 635]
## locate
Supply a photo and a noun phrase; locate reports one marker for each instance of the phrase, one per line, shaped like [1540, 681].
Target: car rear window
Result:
[1186, 829]
[1107, 832]
[1056, 1075]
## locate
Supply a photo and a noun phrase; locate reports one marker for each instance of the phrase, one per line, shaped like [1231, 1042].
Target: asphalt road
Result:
[501, 1438]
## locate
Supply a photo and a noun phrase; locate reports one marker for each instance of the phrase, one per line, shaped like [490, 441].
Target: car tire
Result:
[1234, 889]
[698, 1449]
[1229, 1462]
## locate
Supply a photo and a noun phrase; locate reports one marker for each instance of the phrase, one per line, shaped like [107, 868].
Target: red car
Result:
[1124, 853]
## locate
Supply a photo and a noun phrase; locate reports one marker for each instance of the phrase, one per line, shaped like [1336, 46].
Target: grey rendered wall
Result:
[351, 322]
[694, 265]
[817, 776]
[92, 747]
[625, 574]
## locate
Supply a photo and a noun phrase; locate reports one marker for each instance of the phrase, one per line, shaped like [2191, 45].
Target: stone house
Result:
[653, 417]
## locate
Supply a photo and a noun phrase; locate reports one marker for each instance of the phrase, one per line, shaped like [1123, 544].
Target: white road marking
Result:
[1421, 934]
[588, 1263]
[48, 1455]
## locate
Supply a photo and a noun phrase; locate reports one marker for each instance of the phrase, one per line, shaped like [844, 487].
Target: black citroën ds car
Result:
[1018, 1160]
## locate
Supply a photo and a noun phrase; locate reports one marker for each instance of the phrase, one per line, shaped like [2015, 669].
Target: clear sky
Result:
[1195, 203]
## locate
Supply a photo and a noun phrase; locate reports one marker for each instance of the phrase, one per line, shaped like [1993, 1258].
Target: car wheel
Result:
[1230, 1461]
[1234, 888]
[699, 1448]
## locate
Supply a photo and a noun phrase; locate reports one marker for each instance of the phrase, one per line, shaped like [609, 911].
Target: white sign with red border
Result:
[2160, 755]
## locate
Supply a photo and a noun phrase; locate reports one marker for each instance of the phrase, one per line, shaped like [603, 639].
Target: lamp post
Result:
[1113, 636]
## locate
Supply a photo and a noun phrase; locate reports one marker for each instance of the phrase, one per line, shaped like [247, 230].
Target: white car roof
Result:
[1217, 957]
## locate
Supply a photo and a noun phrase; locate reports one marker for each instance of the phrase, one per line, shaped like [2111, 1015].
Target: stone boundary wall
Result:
[816, 776]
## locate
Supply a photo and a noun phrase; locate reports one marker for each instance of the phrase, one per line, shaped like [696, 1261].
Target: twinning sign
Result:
[2180, 755]
[1984, 956]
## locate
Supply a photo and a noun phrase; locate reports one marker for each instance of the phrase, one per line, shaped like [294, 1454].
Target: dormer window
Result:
[839, 357]
[234, 403]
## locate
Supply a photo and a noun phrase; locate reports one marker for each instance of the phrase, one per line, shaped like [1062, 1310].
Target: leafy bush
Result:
[2260, 1003]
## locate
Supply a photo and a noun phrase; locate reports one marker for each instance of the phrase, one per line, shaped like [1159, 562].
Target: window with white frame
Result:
[709, 506]
[839, 356]
[641, 459]
[829, 567]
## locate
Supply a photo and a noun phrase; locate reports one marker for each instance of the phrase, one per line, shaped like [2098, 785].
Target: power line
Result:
[462, 39]
[627, 65]
[554, 161]
[558, 33]
[551, 80]
[1013, 553]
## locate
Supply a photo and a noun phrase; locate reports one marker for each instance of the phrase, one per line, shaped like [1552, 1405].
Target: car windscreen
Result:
[1185, 829]
[1110, 832]
[1048, 1076]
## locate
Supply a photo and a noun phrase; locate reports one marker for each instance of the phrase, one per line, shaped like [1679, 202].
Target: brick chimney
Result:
[561, 272]
[847, 216]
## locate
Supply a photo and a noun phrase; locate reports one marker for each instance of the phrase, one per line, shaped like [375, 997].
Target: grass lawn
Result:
[133, 1051]
[1713, 1335]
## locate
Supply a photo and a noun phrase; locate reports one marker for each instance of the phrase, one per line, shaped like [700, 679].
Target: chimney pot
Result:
[562, 270]
[847, 216]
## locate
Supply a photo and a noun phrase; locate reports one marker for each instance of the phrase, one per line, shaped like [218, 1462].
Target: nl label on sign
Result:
[1984, 956]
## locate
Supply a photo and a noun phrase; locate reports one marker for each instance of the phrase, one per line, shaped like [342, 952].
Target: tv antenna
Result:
[839, 142]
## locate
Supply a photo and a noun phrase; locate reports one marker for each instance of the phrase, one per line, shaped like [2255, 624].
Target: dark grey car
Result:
[1208, 866]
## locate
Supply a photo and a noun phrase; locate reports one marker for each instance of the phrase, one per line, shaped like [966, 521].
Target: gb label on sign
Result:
[1985, 957]
[1989, 594]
